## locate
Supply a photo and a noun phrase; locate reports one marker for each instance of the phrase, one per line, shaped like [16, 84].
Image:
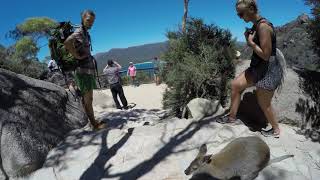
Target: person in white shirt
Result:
[52, 65]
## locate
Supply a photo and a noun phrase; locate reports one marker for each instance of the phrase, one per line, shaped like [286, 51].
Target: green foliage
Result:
[29, 67]
[125, 80]
[3, 55]
[26, 49]
[314, 26]
[199, 64]
[35, 27]
[143, 77]
[22, 56]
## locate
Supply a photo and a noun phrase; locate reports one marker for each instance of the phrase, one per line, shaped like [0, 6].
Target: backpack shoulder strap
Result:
[264, 20]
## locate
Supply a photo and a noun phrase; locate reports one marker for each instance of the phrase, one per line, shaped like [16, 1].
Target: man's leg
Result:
[158, 80]
[87, 104]
[114, 92]
[121, 95]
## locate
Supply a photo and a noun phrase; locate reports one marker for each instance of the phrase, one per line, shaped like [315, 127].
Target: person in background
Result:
[112, 71]
[132, 72]
[156, 69]
[52, 66]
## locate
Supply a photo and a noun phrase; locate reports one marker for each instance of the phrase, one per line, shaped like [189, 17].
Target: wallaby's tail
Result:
[283, 67]
[278, 159]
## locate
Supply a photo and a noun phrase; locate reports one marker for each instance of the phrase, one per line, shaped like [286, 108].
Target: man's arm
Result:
[69, 44]
[105, 69]
[117, 64]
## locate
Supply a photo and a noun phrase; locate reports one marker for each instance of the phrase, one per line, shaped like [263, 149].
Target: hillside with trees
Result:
[136, 54]
[21, 57]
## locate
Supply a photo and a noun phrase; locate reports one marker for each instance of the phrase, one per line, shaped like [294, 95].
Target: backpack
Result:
[64, 60]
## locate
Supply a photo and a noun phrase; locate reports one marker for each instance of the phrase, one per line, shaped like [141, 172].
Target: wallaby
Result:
[243, 157]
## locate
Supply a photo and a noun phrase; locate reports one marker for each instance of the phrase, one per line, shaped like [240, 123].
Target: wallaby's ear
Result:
[202, 150]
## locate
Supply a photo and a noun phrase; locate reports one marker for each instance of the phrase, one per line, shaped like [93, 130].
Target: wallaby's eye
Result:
[194, 167]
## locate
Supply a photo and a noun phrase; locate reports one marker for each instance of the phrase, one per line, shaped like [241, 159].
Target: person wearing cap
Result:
[112, 71]
[132, 71]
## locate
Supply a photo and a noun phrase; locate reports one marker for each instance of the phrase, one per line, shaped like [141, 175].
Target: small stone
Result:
[314, 136]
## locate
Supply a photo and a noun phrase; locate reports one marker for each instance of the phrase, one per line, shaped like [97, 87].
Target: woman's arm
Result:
[265, 49]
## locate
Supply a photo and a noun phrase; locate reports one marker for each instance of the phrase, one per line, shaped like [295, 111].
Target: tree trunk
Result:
[185, 15]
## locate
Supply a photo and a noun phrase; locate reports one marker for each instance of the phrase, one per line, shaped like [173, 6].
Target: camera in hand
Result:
[249, 31]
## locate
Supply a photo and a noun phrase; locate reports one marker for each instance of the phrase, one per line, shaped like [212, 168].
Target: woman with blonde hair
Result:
[262, 39]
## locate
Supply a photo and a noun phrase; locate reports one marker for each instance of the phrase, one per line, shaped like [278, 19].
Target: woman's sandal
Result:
[270, 133]
[99, 126]
[226, 120]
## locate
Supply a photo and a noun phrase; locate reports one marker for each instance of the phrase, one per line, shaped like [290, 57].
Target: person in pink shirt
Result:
[132, 72]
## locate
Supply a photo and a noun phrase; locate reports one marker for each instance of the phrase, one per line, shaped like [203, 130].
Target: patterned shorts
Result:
[273, 76]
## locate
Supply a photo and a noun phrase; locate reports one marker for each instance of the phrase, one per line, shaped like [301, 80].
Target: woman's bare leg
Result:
[264, 99]
[239, 84]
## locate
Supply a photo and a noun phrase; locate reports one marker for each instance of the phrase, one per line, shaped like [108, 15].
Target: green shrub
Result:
[199, 64]
[143, 77]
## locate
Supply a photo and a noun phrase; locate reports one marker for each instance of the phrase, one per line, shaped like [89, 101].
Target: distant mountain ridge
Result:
[136, 54]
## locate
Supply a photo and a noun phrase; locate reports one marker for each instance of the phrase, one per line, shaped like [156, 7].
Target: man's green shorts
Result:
[86, 82]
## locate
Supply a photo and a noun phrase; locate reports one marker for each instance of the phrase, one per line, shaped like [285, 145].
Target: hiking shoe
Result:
[268, 128]
[226, 120]
[270, 133]
[99, 126]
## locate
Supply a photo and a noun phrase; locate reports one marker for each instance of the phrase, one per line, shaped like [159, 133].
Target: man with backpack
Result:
[78, 44]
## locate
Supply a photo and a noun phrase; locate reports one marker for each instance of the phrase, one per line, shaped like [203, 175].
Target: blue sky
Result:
[125, 23]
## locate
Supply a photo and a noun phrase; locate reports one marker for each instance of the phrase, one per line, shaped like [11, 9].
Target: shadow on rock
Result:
[34, 117]
[168, 149]
[75, 141]
[250, 112]
[120, 119]
[97, 169]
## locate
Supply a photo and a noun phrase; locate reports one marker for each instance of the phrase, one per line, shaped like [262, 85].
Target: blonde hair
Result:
[248, 4]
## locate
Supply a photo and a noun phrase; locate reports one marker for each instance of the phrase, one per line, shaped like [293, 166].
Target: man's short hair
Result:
[88, 11]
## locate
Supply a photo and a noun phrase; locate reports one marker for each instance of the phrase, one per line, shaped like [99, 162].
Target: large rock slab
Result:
[200, 108]
[34, 117]
[164, 150]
